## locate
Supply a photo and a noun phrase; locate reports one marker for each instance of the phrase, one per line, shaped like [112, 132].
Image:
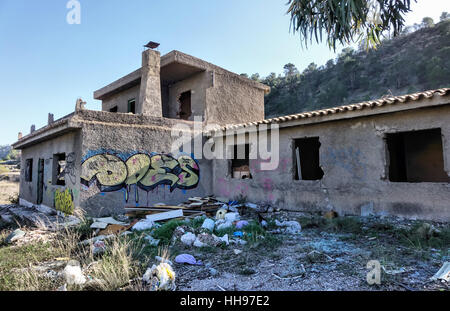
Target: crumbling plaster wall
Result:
[197, 84]
[232, 102]
[69, 144]
[353, 156]
[125, 137]
[121, 99]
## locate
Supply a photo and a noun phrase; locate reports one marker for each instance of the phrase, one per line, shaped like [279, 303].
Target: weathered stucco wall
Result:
[121, 99]
[125, 149]
[197, 84]
[232, 102]
[69, 144]
[353, 156]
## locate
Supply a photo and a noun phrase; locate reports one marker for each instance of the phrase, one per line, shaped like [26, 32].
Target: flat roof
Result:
[175, 66]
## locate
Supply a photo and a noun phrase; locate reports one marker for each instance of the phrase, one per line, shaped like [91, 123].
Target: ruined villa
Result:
[385, 157]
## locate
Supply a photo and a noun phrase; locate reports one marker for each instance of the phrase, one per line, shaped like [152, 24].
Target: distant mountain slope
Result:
[410, 63]
[4, 151]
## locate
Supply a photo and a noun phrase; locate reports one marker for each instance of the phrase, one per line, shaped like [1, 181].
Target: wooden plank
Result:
[165, 215]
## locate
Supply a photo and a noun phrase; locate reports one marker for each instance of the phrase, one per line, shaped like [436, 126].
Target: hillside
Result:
[409, 63]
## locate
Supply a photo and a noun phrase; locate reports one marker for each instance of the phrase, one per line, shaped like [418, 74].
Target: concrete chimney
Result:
[150, 93]
[51, 118]
[19, 136]
[33, 128]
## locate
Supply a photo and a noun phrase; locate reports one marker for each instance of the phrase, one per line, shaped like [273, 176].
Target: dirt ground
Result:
[8, 190]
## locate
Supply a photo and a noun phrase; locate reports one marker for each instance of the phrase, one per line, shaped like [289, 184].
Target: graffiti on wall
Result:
[112, 171]
[64, 201]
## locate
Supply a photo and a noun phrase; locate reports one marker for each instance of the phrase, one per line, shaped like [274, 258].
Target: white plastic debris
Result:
[208, 224]
[222, 224]
[144, 224]
[198, 243]
[73, 274]
[188, 238]
[161, 277]
[443, 273]
[289, 227]
[230, 217]
[151, 240]
[252, 205]
[221, 214]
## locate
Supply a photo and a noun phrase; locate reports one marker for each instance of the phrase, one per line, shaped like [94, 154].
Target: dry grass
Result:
[8, 190]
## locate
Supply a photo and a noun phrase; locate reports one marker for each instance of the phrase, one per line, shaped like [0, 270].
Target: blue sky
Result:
[46, 64]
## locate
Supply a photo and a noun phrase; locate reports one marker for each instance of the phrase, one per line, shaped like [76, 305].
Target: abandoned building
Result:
[385, 157]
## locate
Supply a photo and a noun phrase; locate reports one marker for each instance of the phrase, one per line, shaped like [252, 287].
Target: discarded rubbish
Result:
[151, 240]
[208, 224]
[289, 227]
[238, 234]
[198, 243]
[222, 224]
[143, 224]
[231, 217]
[165, 215]
[443, 273]
[188, 238]
[237, 251]
[189, 259]
[330, 215]
[109, 221]
[99, 225]
[117, 229]
[14, 236]
[97, 238]
[221, 214]
[73, 274]
[241, 224]
[160, 277]
[98, 248]
[162, 259]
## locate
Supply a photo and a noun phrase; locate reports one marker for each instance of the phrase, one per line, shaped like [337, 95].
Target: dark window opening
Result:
[113, 109]
[59, 165]
[185, 111]
[416, 156]
[132, 106]
[240, 163]
[29, 170]
[306, 159]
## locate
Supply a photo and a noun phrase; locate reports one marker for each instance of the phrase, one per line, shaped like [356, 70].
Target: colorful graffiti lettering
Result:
[111, 172]
[64, 201]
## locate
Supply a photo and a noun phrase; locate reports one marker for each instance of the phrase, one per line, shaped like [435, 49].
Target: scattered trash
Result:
[232, 217]
[241, 224]
[209, 224]
[189, 259]
[97, 238]
[221, 214]
[213, 271]
[144, 224]
[252, 205]
[188, 238]
[198, 243]
[238, 241]
[151, 240]
[117, 229]
[160, 277]
[62, 288]
[290, 227]
[73, 274]
[165, 215]
[443, 273]
[397, 271]
[237, 251]
[264, 224]
[15, 236]
[98, 248]
[238, 234]
[367, 210]
[223, 224]
[162, 259]
[99, 225]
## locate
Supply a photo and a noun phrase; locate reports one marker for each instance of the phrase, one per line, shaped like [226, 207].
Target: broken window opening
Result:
[307, 159]
[59, 165]
[29, 170]
[416, 156]
[132, 106]
[185, 111]
[113, 109]
[240, 167]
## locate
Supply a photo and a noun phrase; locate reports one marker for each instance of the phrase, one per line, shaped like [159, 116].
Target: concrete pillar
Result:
[150, 93]
[33, 128]
[19, 136]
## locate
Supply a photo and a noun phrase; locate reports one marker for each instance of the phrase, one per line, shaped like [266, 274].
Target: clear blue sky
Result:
[46, 64]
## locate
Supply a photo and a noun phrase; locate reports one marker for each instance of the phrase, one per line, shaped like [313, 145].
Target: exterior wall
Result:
[197, 84]
[125, 140]
[232, 102]
[121, 100]
[69, 144]
[353, 156]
